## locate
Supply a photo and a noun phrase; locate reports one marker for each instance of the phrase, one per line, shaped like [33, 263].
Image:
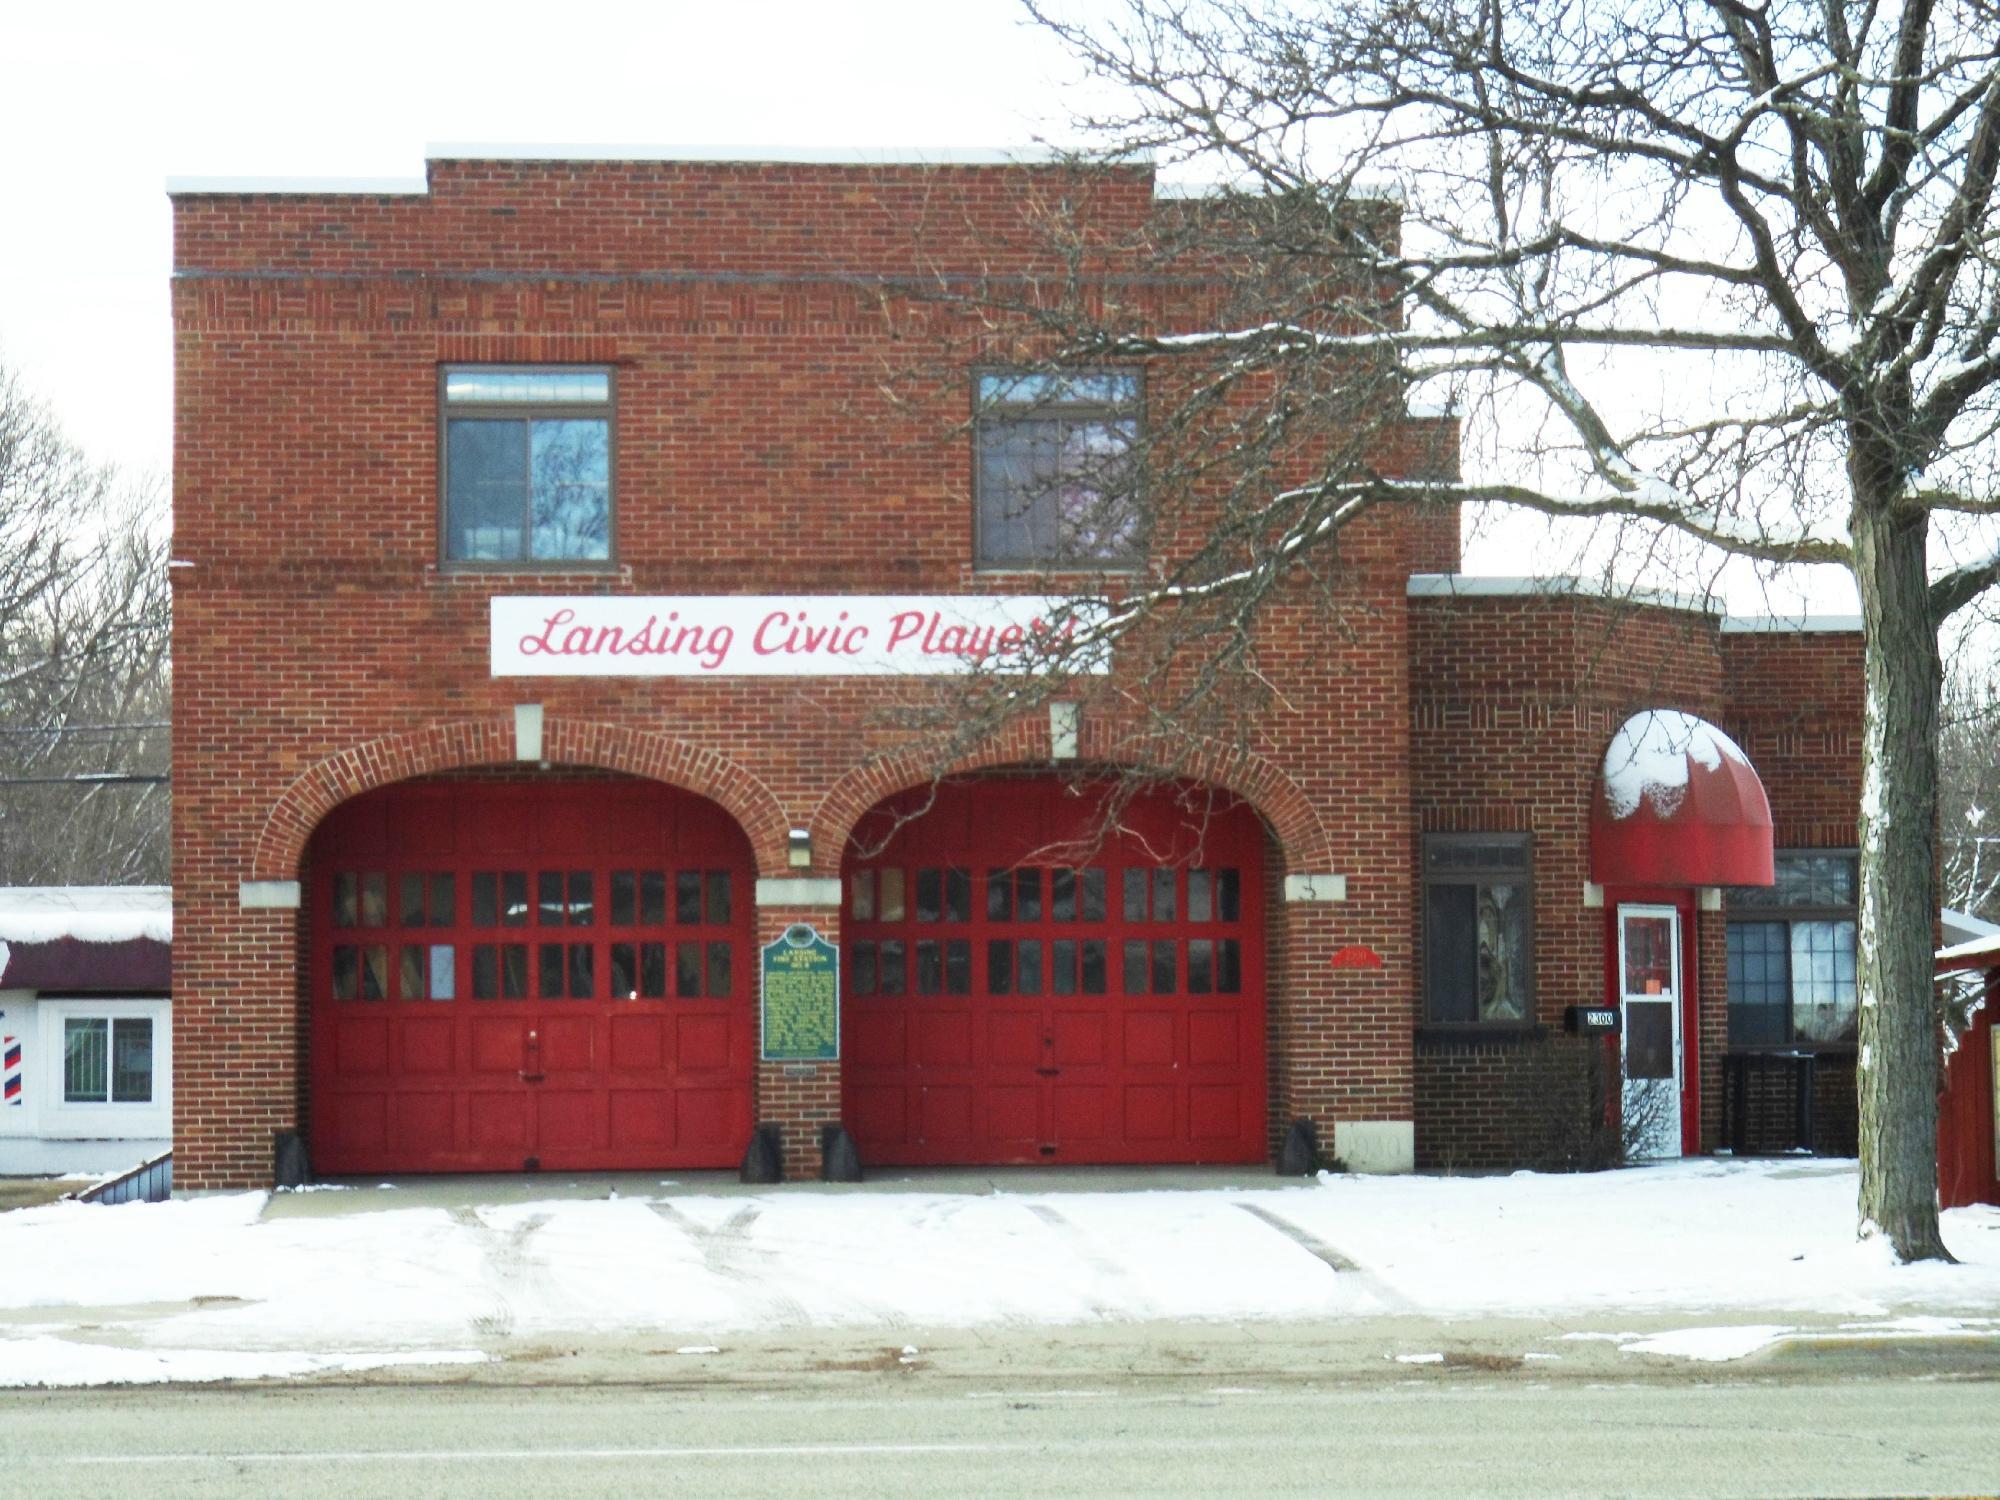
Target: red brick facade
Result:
[322, 649]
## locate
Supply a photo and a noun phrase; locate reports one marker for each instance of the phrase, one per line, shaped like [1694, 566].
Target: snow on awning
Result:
[1678, 803]
[1977, 953]
[90, 937]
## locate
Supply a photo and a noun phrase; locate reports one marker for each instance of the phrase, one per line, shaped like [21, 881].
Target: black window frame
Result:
[986, 411]
[1747, 905]
[527, 412]
[1476, 876]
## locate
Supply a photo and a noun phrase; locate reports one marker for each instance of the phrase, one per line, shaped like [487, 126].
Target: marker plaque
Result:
[801, 993]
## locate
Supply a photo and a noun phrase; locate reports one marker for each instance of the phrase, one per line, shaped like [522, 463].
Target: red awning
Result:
[1678, 803]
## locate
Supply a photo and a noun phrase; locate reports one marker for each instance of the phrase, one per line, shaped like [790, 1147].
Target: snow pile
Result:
[1650, 756]
[353, 1277]
[88, 913]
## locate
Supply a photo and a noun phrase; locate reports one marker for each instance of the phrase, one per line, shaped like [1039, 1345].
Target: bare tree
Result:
[83, 662]
[1721, 278]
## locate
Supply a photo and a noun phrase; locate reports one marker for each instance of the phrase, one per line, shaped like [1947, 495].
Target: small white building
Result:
[86, 1027]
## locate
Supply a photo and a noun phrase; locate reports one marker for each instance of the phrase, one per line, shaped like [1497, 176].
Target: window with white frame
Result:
[105, 1066]
[107, 1060]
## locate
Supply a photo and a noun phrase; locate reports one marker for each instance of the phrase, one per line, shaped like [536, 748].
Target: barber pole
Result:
[10, 1070]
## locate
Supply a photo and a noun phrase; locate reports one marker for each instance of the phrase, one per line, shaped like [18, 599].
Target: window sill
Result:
[485, 572]
[1128, 569]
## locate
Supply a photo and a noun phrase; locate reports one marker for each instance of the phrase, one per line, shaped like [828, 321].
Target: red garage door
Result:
[1019, 989]
[509, 976]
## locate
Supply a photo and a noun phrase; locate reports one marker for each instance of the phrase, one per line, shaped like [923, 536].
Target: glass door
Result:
[1649, 989]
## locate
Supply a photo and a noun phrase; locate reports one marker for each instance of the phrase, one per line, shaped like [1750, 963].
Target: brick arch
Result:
[490, 742]
[1280, 800]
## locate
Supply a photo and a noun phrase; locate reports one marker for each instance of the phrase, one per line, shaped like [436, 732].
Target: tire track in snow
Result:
[1081, 1245]
[725, 1249]
[1332, 1258]
[508, 1268]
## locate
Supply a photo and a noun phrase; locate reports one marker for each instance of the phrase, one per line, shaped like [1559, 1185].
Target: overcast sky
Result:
[100, 104]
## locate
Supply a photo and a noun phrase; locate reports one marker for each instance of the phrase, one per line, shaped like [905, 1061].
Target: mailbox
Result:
[1591, 1020]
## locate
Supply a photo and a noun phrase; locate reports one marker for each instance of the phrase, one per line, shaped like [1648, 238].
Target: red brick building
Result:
[547, 560]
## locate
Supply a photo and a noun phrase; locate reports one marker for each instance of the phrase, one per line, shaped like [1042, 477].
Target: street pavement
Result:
[1164, 1410]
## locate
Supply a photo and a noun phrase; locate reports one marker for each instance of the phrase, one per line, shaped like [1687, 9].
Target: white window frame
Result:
[62, 1119]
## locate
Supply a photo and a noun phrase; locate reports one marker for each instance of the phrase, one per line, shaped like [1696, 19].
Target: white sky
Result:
[100, 104]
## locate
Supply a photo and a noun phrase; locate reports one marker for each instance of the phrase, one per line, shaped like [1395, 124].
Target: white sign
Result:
[810, 635]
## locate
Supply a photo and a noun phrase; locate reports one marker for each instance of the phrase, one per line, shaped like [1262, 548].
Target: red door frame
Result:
[996, 1077]
[409, 1084]
[1682, 899]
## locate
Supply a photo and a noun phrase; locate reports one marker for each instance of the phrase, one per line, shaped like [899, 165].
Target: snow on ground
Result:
[224, 1279]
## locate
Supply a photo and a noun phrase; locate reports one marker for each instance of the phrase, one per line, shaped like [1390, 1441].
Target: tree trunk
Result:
[1899, 1045]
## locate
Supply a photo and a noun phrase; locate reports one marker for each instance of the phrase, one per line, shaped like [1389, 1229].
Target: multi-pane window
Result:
[1478, 929]
[533, 934]
[1041, 930]
[1057, 475]
[108, 1060]
[1792, 954]
[527, 465]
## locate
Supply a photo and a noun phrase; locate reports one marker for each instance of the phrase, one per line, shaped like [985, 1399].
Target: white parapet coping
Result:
[1379, 1146]
[1315, 887]
[798, 890]
[1790, 624]
[1555, 586]
[268, 895]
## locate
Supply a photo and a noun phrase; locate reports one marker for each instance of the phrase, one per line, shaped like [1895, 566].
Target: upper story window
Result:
[1057, 480]
[1792, 972]
[527, 465]
[1478, 937]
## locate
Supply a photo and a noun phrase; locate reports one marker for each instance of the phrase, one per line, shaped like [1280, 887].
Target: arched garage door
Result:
[1019, 989]
[514, 975]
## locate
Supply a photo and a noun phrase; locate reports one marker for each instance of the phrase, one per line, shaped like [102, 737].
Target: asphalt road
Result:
[1123, 1419]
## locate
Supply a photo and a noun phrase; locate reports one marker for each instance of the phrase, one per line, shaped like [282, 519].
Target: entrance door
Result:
[518, 975]
[1649, 989]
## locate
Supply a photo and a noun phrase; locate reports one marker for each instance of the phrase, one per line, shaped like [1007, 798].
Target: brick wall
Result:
[1513, 700]
[321, 649]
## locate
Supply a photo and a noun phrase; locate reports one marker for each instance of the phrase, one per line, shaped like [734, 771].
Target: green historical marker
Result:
[801, 997]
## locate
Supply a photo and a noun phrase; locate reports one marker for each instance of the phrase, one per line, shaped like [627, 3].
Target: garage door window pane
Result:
[999, 896]
[444, 971]
[1028, 968]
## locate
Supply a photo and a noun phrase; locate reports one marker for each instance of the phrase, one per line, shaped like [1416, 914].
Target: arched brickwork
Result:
[490, 742]
[1280, 800]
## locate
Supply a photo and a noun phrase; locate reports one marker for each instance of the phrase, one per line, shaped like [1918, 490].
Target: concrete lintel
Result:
[1316, 887]
[1709, 898]
[798, 890]
[527, 731]
[268, 895]
[1377, 1146]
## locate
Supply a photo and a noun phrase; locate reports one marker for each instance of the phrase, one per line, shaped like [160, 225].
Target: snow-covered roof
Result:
[1964, 927]
[1959, 954]
[1650, 755]
[88, 913]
